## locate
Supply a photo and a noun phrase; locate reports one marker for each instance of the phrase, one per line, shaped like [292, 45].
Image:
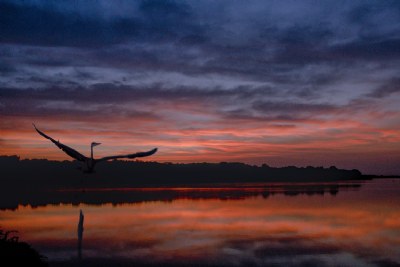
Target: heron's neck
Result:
[91, 152]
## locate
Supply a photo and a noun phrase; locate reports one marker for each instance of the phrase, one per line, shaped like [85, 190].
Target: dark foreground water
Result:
[338, 226]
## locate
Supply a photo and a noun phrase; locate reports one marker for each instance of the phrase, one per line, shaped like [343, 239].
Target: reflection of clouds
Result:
[356, 228]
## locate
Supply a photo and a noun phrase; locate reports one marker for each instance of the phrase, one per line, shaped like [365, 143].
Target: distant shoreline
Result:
[369, 176]
[58, 174]
[43, 182]
[14, 158]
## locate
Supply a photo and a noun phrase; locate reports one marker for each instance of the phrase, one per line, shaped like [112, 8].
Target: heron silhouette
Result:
[91, 162]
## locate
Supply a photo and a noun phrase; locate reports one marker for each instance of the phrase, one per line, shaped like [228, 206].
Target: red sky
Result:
[199, 137]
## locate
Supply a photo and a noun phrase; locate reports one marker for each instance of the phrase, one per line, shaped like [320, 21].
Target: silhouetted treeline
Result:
[42, 182]
[116, 174]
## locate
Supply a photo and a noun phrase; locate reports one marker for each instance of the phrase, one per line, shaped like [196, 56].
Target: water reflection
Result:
[99, 196]
[80, 234]
[352, 228]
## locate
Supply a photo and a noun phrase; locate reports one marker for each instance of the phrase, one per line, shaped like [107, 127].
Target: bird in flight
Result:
[91, 162]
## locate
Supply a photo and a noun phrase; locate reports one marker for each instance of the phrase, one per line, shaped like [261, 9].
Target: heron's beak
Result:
[95, 144]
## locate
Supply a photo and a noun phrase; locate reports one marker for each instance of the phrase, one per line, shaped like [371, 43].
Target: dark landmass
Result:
[119, 174]
[43, 182]
[380, 176]
[16, 253]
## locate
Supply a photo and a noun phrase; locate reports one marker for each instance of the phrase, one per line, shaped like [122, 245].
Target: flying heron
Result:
[91, 162]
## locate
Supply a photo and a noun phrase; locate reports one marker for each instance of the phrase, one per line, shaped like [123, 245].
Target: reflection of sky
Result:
[353, 228]
[283, 82]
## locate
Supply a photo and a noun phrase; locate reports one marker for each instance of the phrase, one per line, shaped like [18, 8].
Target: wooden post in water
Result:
[80, 234]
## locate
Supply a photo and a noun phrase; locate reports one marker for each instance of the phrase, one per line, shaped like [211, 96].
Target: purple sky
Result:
[277, 82]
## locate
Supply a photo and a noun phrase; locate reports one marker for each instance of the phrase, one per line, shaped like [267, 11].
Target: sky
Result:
[276, 82]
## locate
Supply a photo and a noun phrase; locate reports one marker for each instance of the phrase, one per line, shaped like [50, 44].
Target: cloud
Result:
[369, 50]
[279, 72]
[6, 68]
[291, 107]
[49, 25]
[280, 44]
[389, 88]
[247, 104]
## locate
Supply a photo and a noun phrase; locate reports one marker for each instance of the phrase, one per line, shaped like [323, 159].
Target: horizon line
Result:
[205, 162]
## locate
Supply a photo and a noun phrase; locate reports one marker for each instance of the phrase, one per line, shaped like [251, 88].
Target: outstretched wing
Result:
[130, 156]
[69, 151]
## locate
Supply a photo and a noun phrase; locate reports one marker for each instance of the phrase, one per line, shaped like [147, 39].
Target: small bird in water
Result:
[91, 162]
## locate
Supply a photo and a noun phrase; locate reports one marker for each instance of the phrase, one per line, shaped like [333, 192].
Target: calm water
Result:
[357, 226]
